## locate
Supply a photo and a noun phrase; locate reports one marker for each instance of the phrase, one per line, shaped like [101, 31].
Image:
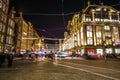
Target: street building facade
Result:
[9, 35]
[4, 6]
[96, 30]
[37, 43]
[24, 34]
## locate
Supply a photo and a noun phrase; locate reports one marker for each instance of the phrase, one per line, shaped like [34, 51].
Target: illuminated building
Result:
[23, 34]
[94, 31]
[4, 5]
[37, 42]
[9, 36]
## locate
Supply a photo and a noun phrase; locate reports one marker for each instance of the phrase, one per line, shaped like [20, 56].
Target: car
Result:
[95, 56]
[62, 54]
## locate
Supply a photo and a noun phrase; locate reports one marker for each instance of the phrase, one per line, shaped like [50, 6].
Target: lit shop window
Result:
[108, 50]
[99, 51]
[117, 51]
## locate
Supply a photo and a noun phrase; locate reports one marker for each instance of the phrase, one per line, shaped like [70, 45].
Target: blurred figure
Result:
[2, 58]
[55, 57]
[52, 55]
[33, 57]
[9, 58]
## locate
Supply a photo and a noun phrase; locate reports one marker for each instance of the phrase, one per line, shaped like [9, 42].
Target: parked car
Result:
[95, 56]
[62, 54]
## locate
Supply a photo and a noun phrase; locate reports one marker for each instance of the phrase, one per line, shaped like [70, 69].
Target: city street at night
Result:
[59, 39]
[64, 69]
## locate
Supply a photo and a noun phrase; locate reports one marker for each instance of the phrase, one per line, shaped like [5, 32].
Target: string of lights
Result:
[44, 38]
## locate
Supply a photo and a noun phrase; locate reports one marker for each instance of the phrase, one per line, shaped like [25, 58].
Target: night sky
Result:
[46, 15]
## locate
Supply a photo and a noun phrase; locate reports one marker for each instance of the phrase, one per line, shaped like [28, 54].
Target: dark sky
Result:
[46, 15]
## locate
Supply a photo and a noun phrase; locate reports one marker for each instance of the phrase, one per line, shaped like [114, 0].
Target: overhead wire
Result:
[45, 38]
[63, 13]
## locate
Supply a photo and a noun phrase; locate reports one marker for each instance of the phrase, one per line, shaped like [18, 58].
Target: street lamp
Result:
[39, 46]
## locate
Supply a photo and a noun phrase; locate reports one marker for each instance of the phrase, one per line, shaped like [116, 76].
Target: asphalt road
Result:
[65, 69]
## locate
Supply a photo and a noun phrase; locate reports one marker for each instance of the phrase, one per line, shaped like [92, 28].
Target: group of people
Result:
[6, 56]
[53, 56]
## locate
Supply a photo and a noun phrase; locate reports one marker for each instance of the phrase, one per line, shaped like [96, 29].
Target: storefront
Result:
[82, 52]
[117, 50]
[90, 51]
[108, 50]
[99, 51]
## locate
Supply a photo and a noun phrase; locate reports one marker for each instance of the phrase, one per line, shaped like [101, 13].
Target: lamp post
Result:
[39, 46]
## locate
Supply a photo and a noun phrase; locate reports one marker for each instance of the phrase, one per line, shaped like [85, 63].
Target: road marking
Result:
[91, 66]
[98, 74]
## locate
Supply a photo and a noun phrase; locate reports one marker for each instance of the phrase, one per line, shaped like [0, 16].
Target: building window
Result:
[1, 16]
[99, 41]
[3, 30]
[114, 16]
[107, 28]
[109, 50]
[0, 4]
[89, 35]
[89, 41]
[108, 42]
[115, 36]
[5, 19]
[98, 34]
[8, 30]
[117, 51]
[2, 38]
[11, 32]
[3, 7]
[0, 26]
[7, 40]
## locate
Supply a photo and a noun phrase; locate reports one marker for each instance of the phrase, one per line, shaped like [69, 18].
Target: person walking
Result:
[2, 58]
[9, 58]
